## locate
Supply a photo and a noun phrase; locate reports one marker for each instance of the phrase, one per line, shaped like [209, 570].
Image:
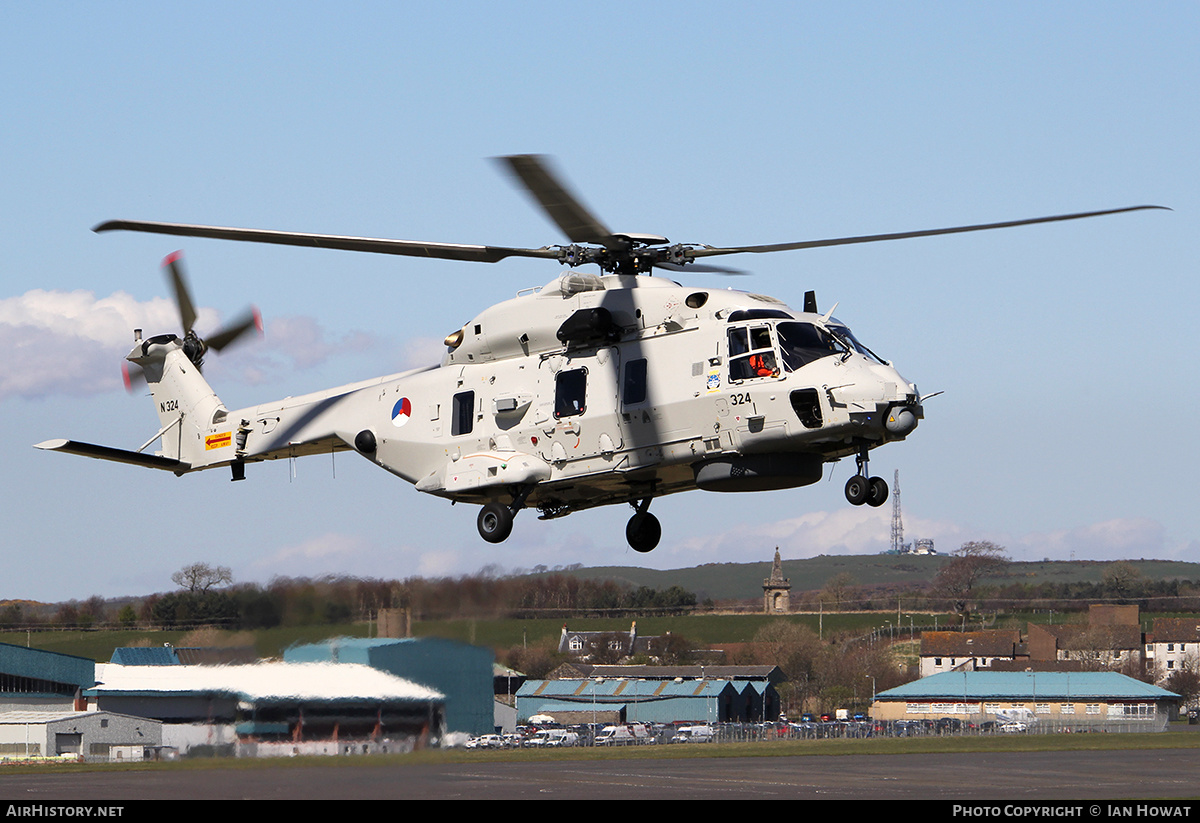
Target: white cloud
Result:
[441, 563]
[843, 531]
[317, 555]
[868, 531]
[74, 343]
[1119, 539]
[304, 342]
[419, 352]
[71, 343]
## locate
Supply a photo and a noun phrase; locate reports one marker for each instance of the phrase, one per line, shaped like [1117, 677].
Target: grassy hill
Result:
[730, 581]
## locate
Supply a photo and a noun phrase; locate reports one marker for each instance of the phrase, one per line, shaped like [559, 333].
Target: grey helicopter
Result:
[598, 388]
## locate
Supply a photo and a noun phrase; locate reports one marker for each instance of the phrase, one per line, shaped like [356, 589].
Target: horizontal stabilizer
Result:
[150, 461]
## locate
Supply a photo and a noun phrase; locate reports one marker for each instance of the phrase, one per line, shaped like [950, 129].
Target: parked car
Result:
[486, 741]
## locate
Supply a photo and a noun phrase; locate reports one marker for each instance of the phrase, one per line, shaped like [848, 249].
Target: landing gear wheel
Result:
[858, 488]
[878, 494]
[643, 532]
[495, 522]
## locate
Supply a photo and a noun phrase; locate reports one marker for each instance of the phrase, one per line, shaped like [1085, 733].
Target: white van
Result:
[693, 734]
[626, 735]
[553, 739]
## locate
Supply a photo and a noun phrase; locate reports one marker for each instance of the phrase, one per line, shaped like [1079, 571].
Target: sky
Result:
[1065, 352]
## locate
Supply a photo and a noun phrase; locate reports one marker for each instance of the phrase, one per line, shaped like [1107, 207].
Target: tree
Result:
[1184, 682]
[671, 649]
[1122, 580]
[127, 617]
[968, 565]
[838, 589]
[200, 577]
[606, 648]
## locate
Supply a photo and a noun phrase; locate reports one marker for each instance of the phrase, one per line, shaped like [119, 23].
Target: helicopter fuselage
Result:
[596, 390]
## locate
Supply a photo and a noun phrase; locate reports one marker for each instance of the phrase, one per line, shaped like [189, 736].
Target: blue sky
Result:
[1066, 352]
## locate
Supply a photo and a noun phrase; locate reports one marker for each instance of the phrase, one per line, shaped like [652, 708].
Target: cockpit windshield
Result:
[802, 343]
[844, 334]
[753, 349]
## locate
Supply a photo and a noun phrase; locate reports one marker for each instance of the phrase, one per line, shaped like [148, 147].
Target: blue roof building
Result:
[1077, 698]
[36, 679]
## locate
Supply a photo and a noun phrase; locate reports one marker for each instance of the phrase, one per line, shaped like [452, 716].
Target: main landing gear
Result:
[643, 530]
[861, 489]
[495, 520]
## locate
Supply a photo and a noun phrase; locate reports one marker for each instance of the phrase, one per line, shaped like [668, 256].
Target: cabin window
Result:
[633, 389]
[570, 393]
[463, 413]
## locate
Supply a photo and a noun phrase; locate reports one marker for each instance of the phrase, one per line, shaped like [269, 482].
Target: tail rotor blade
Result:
[251, 321]
[183, 296]
[133, 376]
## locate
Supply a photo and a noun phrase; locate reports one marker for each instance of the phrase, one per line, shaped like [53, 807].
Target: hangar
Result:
[40, 680]
[273, 708]
[635, 700]
[43, 712]
[463, 673]
[88, 735]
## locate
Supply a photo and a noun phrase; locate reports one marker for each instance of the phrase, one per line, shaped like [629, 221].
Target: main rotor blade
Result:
[183, 296]
[700, 268]
[410, 248]
[563, 207]
[872, 238]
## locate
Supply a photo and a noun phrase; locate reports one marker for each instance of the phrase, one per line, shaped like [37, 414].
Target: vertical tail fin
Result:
[186, 405]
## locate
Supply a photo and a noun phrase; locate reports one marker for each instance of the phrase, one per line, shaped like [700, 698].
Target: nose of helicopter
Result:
[900, 421]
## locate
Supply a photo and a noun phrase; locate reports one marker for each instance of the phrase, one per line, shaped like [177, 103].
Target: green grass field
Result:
[1175, 739]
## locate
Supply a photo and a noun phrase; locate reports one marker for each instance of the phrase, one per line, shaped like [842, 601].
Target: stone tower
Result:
[777, 589]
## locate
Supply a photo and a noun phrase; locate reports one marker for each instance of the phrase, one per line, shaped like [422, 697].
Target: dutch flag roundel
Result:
[401, 412]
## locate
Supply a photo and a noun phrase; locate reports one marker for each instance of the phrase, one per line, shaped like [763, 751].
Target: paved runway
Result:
[1016, 777]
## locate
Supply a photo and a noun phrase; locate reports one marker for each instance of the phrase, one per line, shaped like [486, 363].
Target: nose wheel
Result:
[862, 489]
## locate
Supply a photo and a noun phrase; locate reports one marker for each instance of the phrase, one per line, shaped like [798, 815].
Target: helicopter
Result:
[595, 389]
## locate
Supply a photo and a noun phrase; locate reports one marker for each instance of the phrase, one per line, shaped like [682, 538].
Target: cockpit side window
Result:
[751, 353]
[738, 343]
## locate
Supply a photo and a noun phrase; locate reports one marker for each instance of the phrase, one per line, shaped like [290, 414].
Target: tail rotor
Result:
[194, 346]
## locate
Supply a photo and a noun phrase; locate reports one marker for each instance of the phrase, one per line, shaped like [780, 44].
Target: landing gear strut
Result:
[861, 489]
[495, 520]
[643, 530]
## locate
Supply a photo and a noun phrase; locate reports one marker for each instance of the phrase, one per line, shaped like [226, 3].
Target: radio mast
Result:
[897, 523]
